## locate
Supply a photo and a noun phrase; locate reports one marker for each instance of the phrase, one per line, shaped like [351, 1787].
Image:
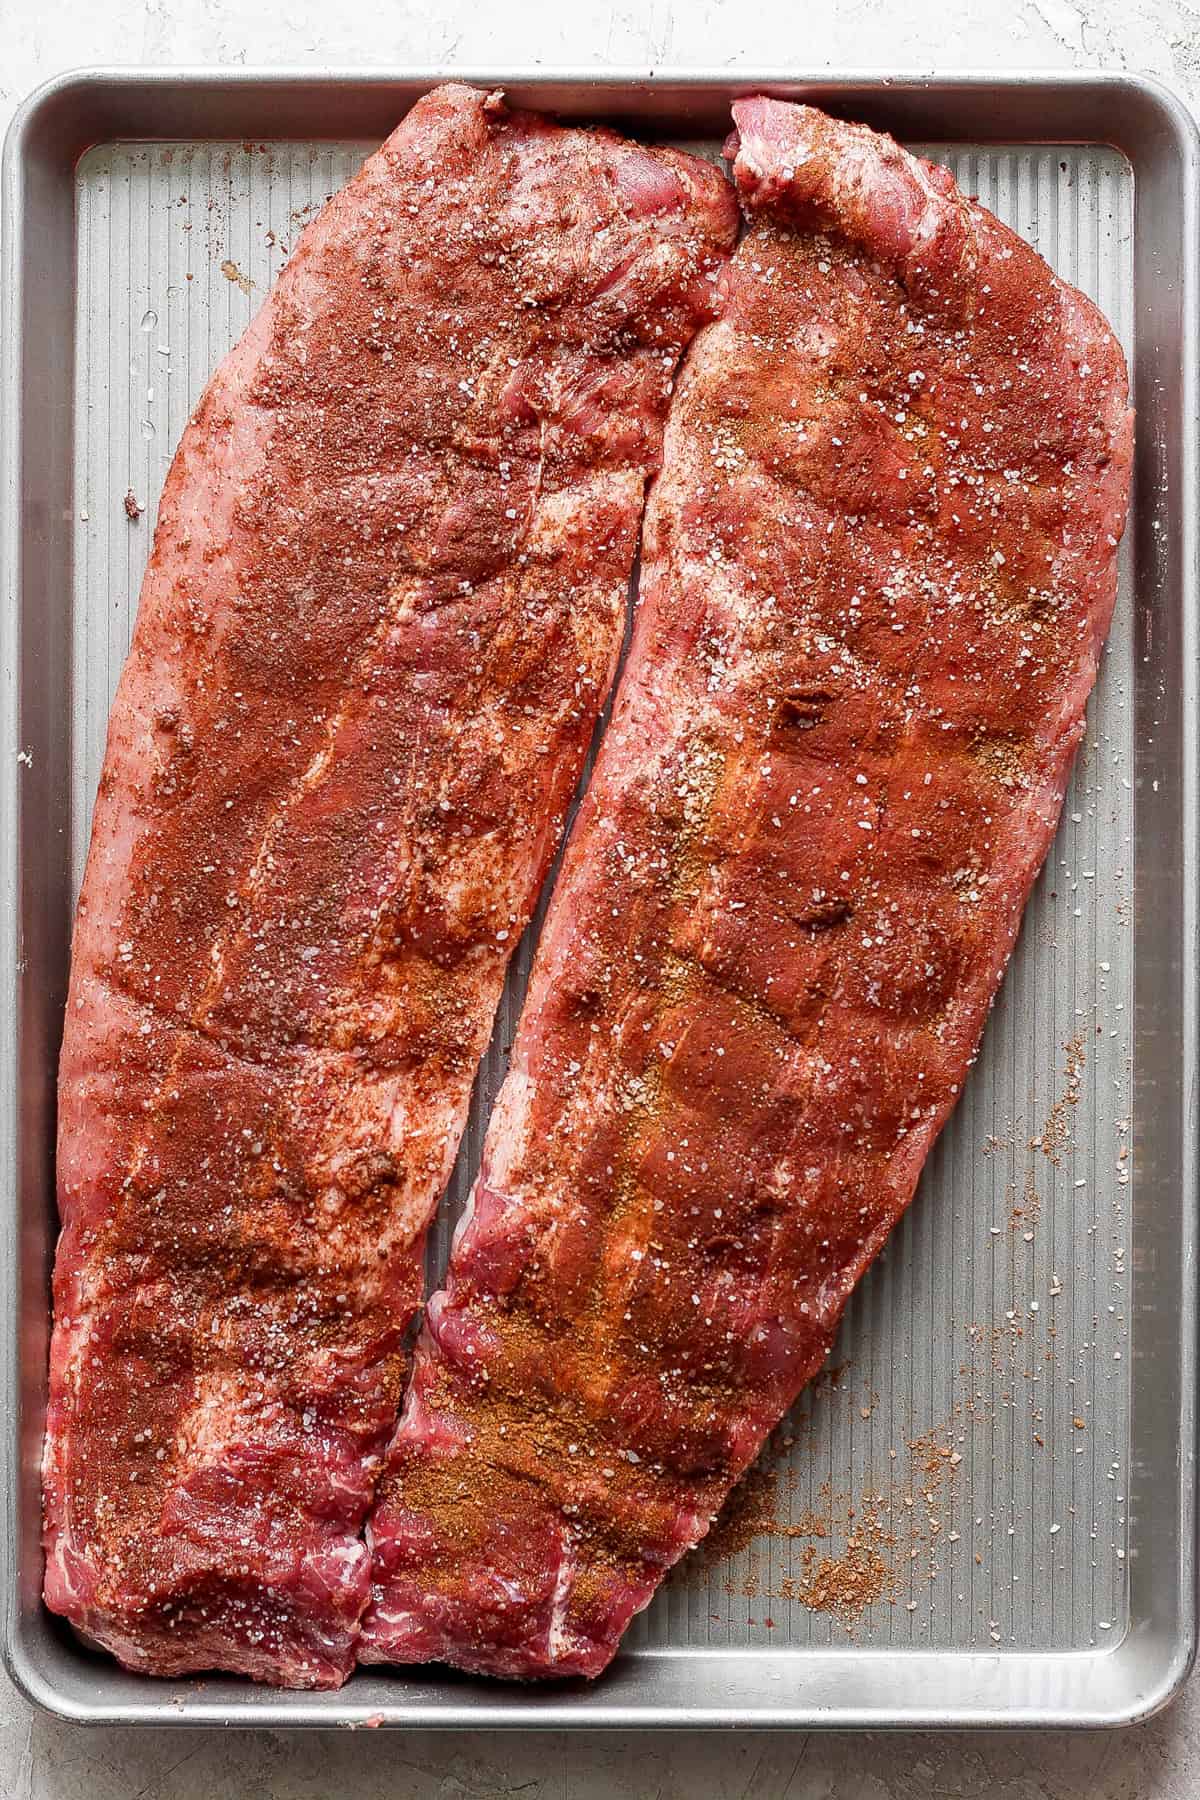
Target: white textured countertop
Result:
[43, 1760]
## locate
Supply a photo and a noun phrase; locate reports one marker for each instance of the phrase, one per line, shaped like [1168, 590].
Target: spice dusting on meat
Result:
[879, 563]
[384, 606]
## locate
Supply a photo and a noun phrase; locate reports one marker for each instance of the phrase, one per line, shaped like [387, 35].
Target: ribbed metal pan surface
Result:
[1004, 1441]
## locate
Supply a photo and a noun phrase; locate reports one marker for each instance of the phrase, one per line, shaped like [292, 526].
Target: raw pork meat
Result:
[880, 561]
[387, 592]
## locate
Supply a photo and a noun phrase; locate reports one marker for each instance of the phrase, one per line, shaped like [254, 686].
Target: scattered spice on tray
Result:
[809, 1525]
[847, 1585]
[748, 1513]
[1028, 1209]
[933, 1459]
[231, 272]
[1056, 1132]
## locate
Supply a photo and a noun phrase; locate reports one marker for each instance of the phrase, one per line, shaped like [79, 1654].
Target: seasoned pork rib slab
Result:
[386, 597]
[879, 565]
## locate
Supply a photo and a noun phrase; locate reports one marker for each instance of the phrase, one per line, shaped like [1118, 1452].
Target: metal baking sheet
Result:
[984, 1512]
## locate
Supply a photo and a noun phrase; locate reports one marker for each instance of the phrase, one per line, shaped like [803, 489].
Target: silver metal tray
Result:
[995, 1492]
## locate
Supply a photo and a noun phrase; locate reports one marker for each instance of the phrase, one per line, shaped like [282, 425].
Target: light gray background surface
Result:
[40, 1760]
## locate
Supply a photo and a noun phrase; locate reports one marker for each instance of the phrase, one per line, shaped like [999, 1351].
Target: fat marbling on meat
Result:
[880, 561]
[384, 605]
